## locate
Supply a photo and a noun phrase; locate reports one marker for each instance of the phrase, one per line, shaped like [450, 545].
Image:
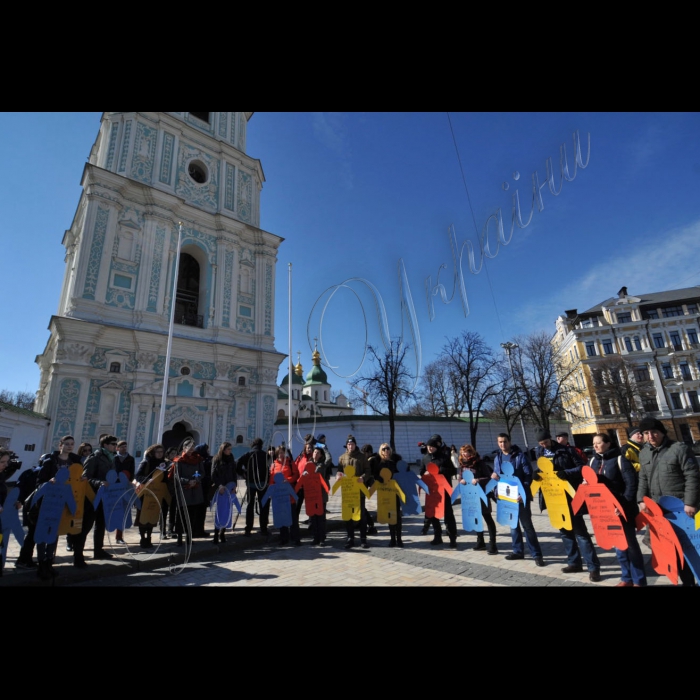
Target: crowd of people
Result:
[649, 465]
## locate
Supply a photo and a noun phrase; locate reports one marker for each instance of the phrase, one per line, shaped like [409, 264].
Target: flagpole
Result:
[166, 368]
[289, 386]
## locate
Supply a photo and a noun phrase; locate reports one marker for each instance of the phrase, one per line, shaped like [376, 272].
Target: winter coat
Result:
[669, 470]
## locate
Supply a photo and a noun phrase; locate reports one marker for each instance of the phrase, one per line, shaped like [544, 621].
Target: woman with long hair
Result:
[474, 469]
[223, 471]
[153, 461]
[187, 479]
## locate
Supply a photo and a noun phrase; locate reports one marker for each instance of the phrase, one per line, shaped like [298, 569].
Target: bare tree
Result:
[619, 386]
[542, 377]
[21, 399]
[387, 386]
[438, 392]
[508, 404]
[472, 367]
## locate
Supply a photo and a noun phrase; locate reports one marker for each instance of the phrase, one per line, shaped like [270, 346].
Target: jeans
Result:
[631, 559]
[578, 544]
[516, 533]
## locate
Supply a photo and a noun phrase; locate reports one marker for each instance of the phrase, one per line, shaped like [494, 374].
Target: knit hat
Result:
[652, 424]
[543, 435]
[435, 441]
[351, 438]
[566, 435]
[632, 431]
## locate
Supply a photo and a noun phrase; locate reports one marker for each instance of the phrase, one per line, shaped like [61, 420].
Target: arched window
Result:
[239, 439]
[628, 344]
[637, 343]
[187, 296]
[115, 367]
[241, 381]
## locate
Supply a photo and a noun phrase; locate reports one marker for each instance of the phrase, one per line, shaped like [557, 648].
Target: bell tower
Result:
[102, 368]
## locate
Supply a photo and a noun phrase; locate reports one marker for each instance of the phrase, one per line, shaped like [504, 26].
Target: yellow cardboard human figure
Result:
[554, 490]
[351, 487]
[386, 497]
[154, 492]
[73, 524]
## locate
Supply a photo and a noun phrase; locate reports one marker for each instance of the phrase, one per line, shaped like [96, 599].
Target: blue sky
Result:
[353, 193]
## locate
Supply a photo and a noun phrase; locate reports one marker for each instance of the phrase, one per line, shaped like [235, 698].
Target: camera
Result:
[12, 466]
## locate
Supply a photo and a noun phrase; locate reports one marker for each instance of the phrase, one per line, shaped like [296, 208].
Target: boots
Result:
[79, 560]
[480, 544]
[399, 541]
[223, 537]
[216, 537]
[492, 549]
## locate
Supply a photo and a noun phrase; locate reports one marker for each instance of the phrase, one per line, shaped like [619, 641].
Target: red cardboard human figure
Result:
[438, 484]
[666, 550]
[604, 510]
[314, 485]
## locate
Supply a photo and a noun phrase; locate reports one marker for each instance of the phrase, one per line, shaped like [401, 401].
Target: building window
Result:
[184, 371]
[587, 323]
[692, 308]
[590, 349]
[624, 317]
[576, 351]
[650, 404]
[245, 311]
[607, 347]
[115, 367]
[241, 381]
[667, 370]
[693, 396]
[676, 340]
[641, 374]
[692, 335]
[676, 400]
[198, 172]
[239, 439]
[187, 294]
[637, 343]
[628, 344]
[204, 116]
[651, 313]
[31, 448]
[685, 370]
[605, 407]
[658, 340]
[672, 311]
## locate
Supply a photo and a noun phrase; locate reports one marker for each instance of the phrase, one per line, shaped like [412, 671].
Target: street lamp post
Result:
[509, 347]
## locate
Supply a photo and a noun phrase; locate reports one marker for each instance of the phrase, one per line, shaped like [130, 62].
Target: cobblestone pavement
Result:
[258, 561]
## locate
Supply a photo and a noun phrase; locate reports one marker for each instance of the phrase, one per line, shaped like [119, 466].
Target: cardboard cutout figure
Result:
[437, 485]
[116, 501]
[665, 547]
[507, 488]
[11, 522]
[684, 526]
[386, 497]
[223, 506]
[472, 496]
[54, 496]
[314, 486]
[409, 484]
[279, 494]
[72, 524]
[351, 488]
[601, 505]
[554, 490]
[152, 494]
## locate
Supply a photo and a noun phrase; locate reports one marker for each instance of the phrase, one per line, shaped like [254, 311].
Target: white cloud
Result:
[331, 131]
[662, 262]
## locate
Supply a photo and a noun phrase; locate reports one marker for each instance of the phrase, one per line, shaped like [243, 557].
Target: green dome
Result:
[316, 375]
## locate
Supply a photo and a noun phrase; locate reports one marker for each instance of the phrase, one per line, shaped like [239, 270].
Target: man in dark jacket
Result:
[354, 457]
[438, 453]
[577, 541]
[521, 470]
[668, 468]
[253, 466]
[95, 471]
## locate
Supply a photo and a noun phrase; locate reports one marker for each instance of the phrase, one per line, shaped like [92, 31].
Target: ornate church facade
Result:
[103, 366]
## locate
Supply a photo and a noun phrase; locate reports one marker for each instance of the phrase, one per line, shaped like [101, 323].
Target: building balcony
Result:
[191, 320]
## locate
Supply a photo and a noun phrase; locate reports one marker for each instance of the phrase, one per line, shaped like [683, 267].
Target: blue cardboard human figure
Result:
[54, 495]
[11, 522]
[279, 493]
[408, 481]
[684, 526]
[508, 488]
[472, 496]
[223, 503]
[117, 498]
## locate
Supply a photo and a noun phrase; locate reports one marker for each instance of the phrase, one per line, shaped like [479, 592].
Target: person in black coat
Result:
[223, 471]
[438, 453]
